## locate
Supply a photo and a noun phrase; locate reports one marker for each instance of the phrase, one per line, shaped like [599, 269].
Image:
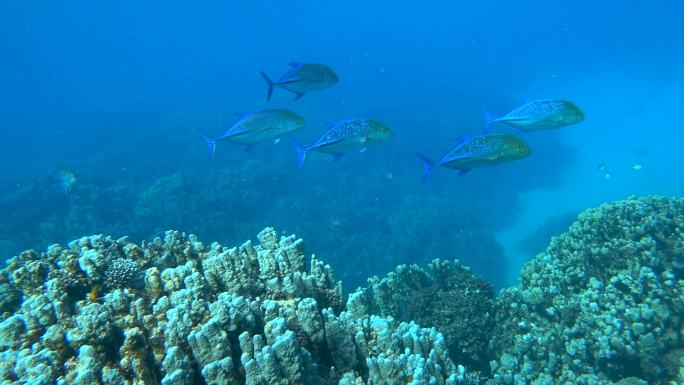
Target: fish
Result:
[257, 127]
[538, 115]
[67, 177]
[637, 166]
[344, 137]
[302, 78]
[478, 151]
[602, 167]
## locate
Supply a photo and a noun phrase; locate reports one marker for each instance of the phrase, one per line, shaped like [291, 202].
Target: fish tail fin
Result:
[270, 83]
[489, 119]
[428, 165]
[301, 151]
[211, 143]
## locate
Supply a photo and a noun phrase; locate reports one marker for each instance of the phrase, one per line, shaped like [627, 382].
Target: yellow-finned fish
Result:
[538, 115]
[346, 136]
[257, 127]
[479, 151]
[303, 78]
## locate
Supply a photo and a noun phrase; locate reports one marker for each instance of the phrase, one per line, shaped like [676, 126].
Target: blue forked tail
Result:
[270, 83]
[489, 119]
[428, 165]
[301, 151]
[211, 143]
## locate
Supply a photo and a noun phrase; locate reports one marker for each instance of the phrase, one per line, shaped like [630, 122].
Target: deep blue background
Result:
[118, 90]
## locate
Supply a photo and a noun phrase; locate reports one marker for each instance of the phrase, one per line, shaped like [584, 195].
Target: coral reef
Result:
[604, 303]
[221, 202]
[447, 297]
[253, 314]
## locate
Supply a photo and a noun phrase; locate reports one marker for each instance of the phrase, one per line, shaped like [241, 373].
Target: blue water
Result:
[118, 91]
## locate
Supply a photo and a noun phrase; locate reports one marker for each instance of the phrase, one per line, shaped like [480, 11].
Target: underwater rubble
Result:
[602, 305]
[175, 311]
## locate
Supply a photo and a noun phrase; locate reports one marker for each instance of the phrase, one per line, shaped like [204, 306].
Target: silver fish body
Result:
[347, 136]
[303, 78]
[540, 115]
[479, 151]
[259, 127]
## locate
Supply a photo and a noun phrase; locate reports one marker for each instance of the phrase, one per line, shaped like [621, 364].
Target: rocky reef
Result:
[604, 304]
[175, 311]
[447, 296]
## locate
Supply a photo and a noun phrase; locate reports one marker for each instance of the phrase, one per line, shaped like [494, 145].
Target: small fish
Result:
[66, 177]
[637, 166]
[303, 78]
[479, 151]
[258, 127]
[347, 136]
[602, 167]
[538, 115]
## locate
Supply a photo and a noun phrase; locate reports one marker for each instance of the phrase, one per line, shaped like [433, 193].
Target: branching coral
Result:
[253, 314]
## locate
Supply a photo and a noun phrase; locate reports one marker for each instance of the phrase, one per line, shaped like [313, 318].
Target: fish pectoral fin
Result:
[276, 140]
[299, 95]
[361, 151]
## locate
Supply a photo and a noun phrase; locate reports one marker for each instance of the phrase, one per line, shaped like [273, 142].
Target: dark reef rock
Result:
[447, 297]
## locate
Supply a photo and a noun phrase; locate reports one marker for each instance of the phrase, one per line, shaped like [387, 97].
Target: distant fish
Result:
[303, 78]
[637, 166]
[479, 151]
[258, 127]
[538, 115]
[602, 167]
[66, 177]
[344, 137]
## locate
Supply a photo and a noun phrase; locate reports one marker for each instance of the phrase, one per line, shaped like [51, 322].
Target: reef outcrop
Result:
[175, 311]
[446, 296]
[604, 304]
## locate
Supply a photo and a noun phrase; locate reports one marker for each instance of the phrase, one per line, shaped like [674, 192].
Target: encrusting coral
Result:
[603, 305]
[175, 311]
[447, 296]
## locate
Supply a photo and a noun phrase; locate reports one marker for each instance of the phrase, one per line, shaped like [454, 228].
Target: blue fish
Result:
[479, 151]
[258, 127]
[347, 136]
[538, 115]
[303, 78]
[66, 177]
